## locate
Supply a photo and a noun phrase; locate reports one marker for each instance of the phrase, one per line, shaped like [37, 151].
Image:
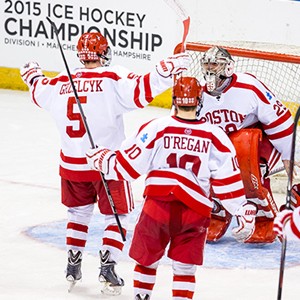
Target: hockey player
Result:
[106, 93]
[259, 125]
[287, 223]
[182, 158]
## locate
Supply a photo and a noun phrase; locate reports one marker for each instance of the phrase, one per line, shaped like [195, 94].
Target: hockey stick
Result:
[183, 17]
[108, 193]
[288, 202]
[275, 171]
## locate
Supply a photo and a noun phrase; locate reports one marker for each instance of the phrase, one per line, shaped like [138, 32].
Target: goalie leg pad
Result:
[247, 143]
[263, 232]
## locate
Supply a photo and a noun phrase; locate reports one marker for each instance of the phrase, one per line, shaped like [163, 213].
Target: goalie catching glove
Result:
[173, 65]
[30, 72]
[246, 222]
[98, 158]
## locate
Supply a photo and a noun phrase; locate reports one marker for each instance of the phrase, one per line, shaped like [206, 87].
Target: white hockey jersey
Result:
[182, 158]
[105, 94]
[247, 101]
[292, 228]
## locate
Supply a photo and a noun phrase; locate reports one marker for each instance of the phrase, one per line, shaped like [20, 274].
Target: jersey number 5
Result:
[75, 116]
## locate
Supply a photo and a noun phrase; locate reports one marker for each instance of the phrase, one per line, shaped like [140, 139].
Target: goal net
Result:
[279, 72]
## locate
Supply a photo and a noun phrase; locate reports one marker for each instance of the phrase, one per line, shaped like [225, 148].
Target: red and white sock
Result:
[112, 239]
[144, 279]
[183, 287]
[77, 226]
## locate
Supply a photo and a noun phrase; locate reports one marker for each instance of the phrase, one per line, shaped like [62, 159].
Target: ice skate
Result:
[111, 282]
[73, 272]
[142, 297]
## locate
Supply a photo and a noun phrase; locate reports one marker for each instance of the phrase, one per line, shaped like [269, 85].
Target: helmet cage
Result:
[216, 65]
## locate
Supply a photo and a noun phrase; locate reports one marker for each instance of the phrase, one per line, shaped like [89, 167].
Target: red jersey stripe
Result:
[148, 92]
[231, 195]
[282, 133]
[260, 95]
[195, 132]
[137, 93]
[125, 164]
[226, 181]
[73, 160]
[278, 122]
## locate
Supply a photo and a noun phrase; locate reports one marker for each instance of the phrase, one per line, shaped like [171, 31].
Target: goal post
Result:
[280, 72]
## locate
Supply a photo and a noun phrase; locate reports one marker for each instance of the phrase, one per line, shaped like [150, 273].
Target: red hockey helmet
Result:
[186, 91]
[93, 46]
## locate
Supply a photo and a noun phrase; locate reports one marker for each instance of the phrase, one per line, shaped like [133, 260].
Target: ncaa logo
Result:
[188, 131]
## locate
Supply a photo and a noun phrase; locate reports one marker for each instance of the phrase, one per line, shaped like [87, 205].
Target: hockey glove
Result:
[98, 159]
[30, 72]
[280, 221]
[173, 65]
[246, 222]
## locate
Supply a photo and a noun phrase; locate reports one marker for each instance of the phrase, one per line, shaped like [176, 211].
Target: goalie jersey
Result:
[184, 159]
[245, 102]
[105, 94]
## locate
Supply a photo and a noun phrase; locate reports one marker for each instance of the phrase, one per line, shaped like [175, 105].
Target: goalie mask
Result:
[186, 91]
[217, 65]
[93, 46]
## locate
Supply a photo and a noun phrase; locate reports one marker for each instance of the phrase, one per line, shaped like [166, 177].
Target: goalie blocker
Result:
[252, 149]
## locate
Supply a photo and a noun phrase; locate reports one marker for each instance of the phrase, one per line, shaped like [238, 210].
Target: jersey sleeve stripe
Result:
[126, 166]
[281, 134]
[137, 93]
[278, 122]
[294, 228]
[219, 145]
[33, 93]
[231, 195]
[260, 95]
[148, 92]
[226, 181]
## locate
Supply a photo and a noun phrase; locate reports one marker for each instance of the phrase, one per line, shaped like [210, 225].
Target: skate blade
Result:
[72, 283]
[71, 286]
[109, 290]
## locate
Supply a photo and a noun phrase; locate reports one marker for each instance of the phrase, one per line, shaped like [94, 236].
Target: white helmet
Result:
[217, 65]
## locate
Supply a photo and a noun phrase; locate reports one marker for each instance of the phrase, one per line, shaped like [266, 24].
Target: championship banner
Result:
[136, 31]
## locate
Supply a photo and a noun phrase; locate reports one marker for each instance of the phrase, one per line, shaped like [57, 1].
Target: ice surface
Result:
[32, 268]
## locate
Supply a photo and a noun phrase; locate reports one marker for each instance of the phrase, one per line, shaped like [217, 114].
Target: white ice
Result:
[30, 196]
